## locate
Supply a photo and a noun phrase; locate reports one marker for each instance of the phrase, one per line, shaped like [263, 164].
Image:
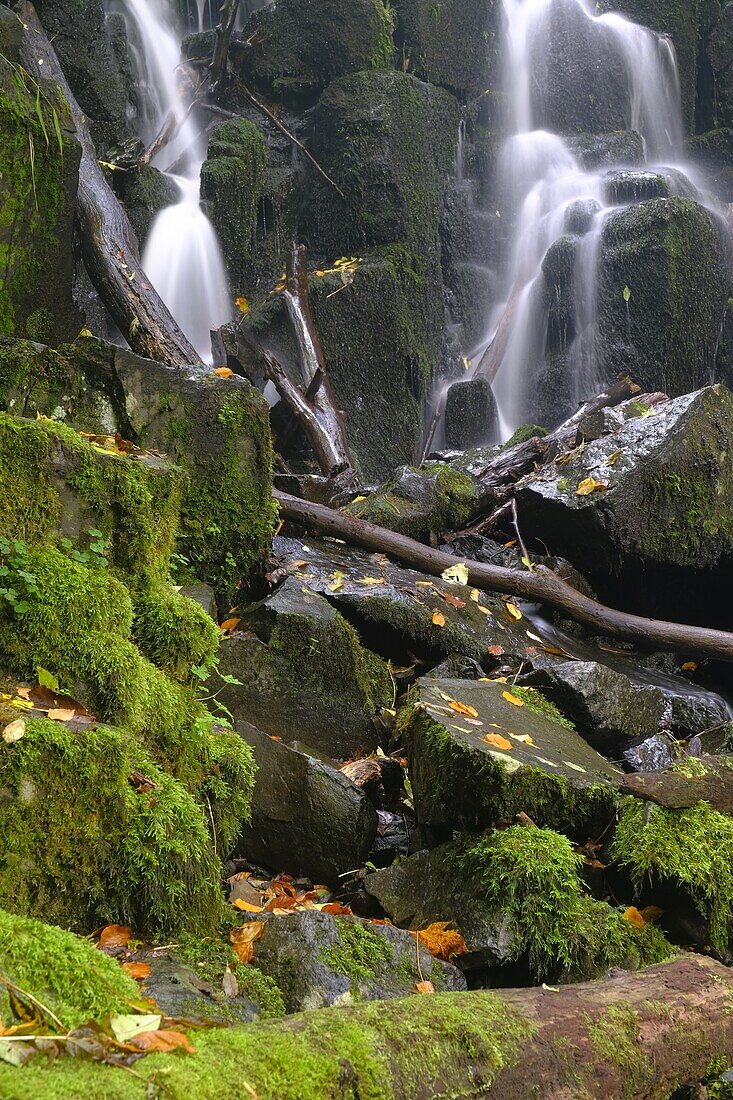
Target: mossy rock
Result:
[146, 192]
[67, 974]
[39, 164]
[297, 47]
[672, 259]
[535, 763]
[420, 501]
[453, 43]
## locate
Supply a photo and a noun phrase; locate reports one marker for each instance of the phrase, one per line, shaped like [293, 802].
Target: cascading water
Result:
[545, 192]
[182, 257]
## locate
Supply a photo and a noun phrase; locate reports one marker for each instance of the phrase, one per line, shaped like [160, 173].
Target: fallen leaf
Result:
[456, 574]
[244, 937]
[242, 304]
[498, 741]
[115, 935]
[425, 987]
[239, 903]
[337, 908]
[463, 708]
[482, 609]
[14, 731]
[689, 666]
[223, 372]
[634, 917]
[453, 600]
[495, 650]
[137, 970]
[513, 699]
[475, 595]
[589, 485]
[125, 1028]
[441, 941]
[438, 619]
[514, 611]
[523, 738]
[163, 1040]
[371, 580]
[229, 984]
[229, 625]
[61, 714]
[551, 988]
[650, 913]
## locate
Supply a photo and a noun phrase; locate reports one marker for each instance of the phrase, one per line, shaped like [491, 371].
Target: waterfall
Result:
[562, 63]
[182, 257]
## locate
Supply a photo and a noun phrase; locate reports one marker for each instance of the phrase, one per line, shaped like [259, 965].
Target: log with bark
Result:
[109, 245]
[708, 779]
[538, 584]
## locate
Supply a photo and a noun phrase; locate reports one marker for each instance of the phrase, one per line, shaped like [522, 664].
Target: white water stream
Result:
[542, 185]
[182, 257]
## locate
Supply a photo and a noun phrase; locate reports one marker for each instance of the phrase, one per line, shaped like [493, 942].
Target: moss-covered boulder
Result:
[216, 429]
[318, 959]
[39, 163]
[232, 179]
[420, 501]
[453, 43]
[665, 275]
[471, 415]
[297, 47]
[661, 491]
[479, 752]
[304, 674]
[307, 818]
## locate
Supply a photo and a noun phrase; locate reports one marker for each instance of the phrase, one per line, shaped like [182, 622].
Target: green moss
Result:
[523, 433]
[358, 953]
[615, 1039]
[534, 700]
[420, 500]
[531, 875]
[67, 974]
[692, 848]
[173, 632]
[212, 957]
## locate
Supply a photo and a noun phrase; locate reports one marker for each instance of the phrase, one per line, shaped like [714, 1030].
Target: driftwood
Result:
[677, 791]
[108, 242]
[540, 584]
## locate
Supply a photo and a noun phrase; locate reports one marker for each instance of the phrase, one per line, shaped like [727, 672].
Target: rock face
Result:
[533, 763]
[318, 959]
[39, 163]
[453, 44]
[669, 479]
[675, 260]
[304, 674]
[307, 817]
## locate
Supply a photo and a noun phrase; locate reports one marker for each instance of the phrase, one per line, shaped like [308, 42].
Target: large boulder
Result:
[39, 163]
[533, 760]
[664, 280]
[307, 817]
[454, 43]
[301, 673]
[420, 501]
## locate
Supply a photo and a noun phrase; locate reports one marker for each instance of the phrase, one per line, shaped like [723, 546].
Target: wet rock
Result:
[307, 817]
[146, 192]
[393, 836]
[533, 763]
[454, 44]
[204, 596]
[652, 754]
[668, 480]
[666, 334]
[420, 501]
[303, 673]
[318, 959]
[597, 150]
[457, 668]
[430, 887]
[471, 415]
[623, 186]
[180, 992]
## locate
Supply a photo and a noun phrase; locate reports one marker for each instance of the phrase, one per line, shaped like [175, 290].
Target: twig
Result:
[213, 826]
[526, 560]
[34, 1000]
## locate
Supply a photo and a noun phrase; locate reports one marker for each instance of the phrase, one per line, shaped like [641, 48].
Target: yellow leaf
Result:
[498, 741]
[456, 574]
[247, 907]
[689, 666]
[441, 941]
[14, 731]
[371, 580]
[482, 609]
[438, 619]
[127, 1027]
[634, 917]
[514, 699]
[223, 372]
[523, 738]
[229, 625]
[242, 304]
[589, 485]
[514, 611]
[463, 708]
[338, 582]
[61, 714]
[475, 595]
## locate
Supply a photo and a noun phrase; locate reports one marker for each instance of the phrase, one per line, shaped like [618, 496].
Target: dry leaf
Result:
[115, 935]
[223, 372]
[137, 970]
[425, 987]
[634, 917]
[514, 611]
[243, 939]
[498, 741]
[229, 984]
[456, 574]
[242, 304]
[61, 714]
[163, 1040]
[247, 907]
[523, 738]
[14, 731]
[371, 580]
[475, 595]
[229, 625]
[650, 913]
[495, 650]
[441, 941]
[453, 600]
[689, 666]
[589, 485]
[513, 699]
[125, 1028]
[438, 619]
[463, 708]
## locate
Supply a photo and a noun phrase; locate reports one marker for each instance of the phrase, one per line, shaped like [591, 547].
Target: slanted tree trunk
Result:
[109, 245]
[227, 19]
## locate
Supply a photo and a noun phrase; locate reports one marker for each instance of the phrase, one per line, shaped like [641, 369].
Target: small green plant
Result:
[17, 584]
[204, 673]
[93, 555]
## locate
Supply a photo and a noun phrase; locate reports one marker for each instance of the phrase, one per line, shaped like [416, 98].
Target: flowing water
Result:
[544, 191]
[182, 257]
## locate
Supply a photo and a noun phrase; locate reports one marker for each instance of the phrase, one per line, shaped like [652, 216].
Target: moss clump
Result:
[523, 433]
[212, 957]
[691, 848]
[534, 700]
[532, 876]
[67, 974]
[615, 1039]
[421, 500]
[173, 632]
[358, 953]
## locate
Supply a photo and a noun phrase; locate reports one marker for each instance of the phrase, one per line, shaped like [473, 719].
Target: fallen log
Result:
[109, 245]
[538, 584]
[709, 779]
[630, 1035]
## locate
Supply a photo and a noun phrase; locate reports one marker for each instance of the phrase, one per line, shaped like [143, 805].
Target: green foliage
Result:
[93, 555]
[17, 584]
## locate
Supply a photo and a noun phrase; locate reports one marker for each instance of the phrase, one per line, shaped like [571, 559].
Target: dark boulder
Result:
[454, 43]
[471, 415]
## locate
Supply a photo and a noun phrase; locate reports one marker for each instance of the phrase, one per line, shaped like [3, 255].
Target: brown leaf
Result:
[513, 699]
[497, 741]
[425, 987]
[337, 908]
[495, 650]
[453, 600]
[244, 937]
[244, 951]
[634, 917]
[229, 625]
[438, 619]
[14, 731]
[139, 971]
[441, 941]
[115, 935]
[463, 708]
[229, 984]
[514, 611]
[163, 1040]
[650, 913]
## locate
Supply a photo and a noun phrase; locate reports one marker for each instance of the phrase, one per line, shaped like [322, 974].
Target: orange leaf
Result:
[244, 951]
[425, 987]
[438, 619]
[634, 917]
[689, 666]
[513, 699]
[453, 600]
[246, 906]
[163, 1040]
[495, 650]
[229, 625]
[442, 942]
[498, 741]
[137, 970]
[115, 935]
[337, 908]
[589, 485]
[463, 708]
[247, 933]
[224, 372]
